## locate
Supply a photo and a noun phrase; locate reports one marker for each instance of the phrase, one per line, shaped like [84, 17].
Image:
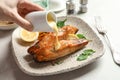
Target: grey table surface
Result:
[102, 69]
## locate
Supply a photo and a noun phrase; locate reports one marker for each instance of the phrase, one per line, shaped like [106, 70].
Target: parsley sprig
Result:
[85, 54]
[81, 36]
[60, 24]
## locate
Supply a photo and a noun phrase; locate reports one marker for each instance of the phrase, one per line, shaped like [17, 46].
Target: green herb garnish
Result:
[81, 36]
[88, 52]
[56, 62]
[60, 24]
[85, 54]
[82, 57]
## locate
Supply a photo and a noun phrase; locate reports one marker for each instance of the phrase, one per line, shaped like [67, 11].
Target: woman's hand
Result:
[15, 11]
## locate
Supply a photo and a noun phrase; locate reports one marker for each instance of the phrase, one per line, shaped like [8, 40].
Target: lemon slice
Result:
[28, 36]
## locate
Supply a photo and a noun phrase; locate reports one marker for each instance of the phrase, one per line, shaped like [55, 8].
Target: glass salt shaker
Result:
[83, 7]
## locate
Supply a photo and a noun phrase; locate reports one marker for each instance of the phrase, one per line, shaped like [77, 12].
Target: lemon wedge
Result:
[28, 36]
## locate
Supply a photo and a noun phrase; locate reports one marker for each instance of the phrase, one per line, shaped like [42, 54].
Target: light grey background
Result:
[102, 69]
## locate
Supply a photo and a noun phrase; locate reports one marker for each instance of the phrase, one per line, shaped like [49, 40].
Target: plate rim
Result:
[9, 27]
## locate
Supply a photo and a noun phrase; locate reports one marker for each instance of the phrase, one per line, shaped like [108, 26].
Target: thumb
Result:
[22, 22]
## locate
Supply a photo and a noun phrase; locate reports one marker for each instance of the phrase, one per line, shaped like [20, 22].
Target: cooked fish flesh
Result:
[44, 49]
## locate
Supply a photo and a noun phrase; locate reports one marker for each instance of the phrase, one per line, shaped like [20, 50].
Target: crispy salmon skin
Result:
[44, 49]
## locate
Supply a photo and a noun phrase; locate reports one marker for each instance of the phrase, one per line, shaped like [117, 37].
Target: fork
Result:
[101, 30]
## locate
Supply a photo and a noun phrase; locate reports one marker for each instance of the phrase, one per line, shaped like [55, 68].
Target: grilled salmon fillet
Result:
[44, 49]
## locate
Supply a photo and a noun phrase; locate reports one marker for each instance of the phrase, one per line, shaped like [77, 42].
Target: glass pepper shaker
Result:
[70, 7]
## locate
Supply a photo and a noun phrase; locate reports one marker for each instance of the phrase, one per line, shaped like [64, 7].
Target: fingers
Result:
[33, 6]
[24, 7]
[30, 6]
[27, 7]
[22, 22]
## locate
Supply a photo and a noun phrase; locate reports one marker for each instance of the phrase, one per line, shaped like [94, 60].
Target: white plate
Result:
[8, 27]
[29, 66]
[57, 5]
